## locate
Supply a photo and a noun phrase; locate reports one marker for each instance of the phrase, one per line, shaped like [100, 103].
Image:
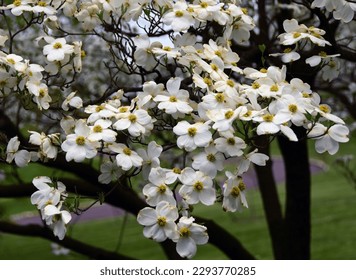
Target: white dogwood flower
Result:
[234, 193]
[143, 55]
[328, 139]
[159, 223]
[48, 143]
[231, 145]
[157, 190]
[46, 194]
[243, 162]
[321, 57]
[57, 49]
[197, 187]
[77, 145]
[179, 18]
[287, 56]
[126, 158]
[296, 32]
[150, 157]
[189, 235]
[139, 122]
[72, 101]
[21, 157]
[57, 219]
[209, 162]
[192, 135]
[109, 172]
[101, 131]
[175, 100]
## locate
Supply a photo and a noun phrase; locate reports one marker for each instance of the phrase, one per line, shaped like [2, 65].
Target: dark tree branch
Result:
[68, 242]
[225, 241]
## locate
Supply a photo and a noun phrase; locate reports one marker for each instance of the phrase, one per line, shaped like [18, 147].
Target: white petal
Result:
[186, 247]
[22, 158]
[147, 216]
[207, 196]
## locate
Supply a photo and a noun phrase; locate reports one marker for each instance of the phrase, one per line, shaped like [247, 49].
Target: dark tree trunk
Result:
[298, 185]
[271, 204]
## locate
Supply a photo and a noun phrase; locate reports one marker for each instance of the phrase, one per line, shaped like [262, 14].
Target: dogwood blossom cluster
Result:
[341, 9]
[297, 34]
[49, 200]
[188, 138]
[28, 79]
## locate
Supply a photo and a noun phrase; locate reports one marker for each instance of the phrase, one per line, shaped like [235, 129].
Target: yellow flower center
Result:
[305, 95]
[11, 61]
[287, 50]
[132, 118]
[208, 81]
[231, 141]
[218, 53]
[173, 99]
[204, 5]
[214, 67]
[293, 108]
[229, 114]
[324, 108]
[123, 109]
[211, 157]
[80, 141]
[179, 13]
[192, 131]
[230, 83]
[255, 85]
[97, 129]
[167, 48]
[184, 232]
[220, 97]
[161, 221]
[274, 88]
[244, 10]
[42, 4]
[42, 92]
[17, 3]
[127, 151]
[332, 64]
[83, 54]
[57, 46]
[99, 108]
[323, 54]
[235, 191]
[268, 118]
[162, 188]
[177, 170]
[198, 186]
[242, 186]
[263, 70]
[247, 114]
[296, 35]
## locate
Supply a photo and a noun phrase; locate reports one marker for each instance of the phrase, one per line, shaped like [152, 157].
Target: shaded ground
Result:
[106, 210]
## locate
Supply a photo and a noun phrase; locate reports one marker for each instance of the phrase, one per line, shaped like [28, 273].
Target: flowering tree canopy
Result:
[161, 105]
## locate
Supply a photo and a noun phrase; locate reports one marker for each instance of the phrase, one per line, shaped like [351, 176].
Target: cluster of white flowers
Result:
[341, 9]
[294, 35]
[49, 201]
[18, 74]
[206, 114]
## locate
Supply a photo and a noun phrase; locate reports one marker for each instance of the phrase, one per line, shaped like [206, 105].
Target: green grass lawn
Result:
[333, 225]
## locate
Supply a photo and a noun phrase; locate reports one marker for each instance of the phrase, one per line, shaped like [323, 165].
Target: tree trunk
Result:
[298, 185]
[271, 204]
